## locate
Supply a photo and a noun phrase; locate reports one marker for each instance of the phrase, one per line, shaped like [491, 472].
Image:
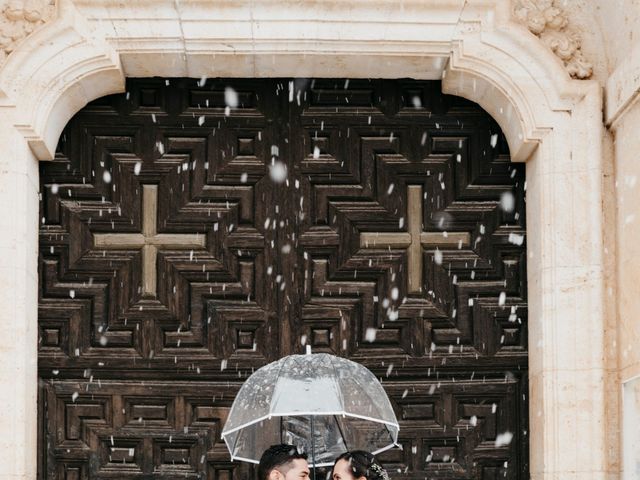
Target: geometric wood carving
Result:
[414, 239]
[387, 243]
[149, 241]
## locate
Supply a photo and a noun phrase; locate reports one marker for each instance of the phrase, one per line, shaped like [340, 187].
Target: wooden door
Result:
[192, 232]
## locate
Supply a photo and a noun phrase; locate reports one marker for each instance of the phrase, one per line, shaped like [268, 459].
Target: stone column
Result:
[566, 309]
[18, 305]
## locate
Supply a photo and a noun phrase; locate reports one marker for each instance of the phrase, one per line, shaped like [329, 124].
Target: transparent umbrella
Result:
[322, 404]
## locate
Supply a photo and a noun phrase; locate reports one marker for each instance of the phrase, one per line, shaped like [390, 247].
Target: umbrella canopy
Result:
[323, 404]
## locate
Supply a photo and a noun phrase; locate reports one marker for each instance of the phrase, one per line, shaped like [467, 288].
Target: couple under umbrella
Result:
[327, 409]
[285, 462]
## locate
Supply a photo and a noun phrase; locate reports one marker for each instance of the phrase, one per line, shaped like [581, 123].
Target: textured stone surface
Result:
[549, 20]
[18, 19]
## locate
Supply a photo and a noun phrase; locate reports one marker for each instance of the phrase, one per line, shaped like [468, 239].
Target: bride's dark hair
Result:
[364, 464]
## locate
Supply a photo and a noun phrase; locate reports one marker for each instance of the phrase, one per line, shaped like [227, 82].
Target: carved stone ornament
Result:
[550, 22]
[18, 18]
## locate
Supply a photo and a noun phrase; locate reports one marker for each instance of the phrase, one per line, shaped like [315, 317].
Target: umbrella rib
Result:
[335, 376]
[235, 442]
[337, 382]
[344, 439]
[313, 447]
[274, 386]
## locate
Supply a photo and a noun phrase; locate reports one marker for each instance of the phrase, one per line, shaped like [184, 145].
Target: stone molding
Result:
[18, 19]
[203, 38]
[550, 22]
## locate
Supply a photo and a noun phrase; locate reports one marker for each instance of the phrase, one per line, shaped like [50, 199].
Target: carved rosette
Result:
[550, 22]
[18, 19]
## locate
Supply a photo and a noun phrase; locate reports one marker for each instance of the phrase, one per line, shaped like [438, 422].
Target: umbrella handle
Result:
[313, 445]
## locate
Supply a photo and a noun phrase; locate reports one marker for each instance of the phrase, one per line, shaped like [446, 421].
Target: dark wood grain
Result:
[137, 385]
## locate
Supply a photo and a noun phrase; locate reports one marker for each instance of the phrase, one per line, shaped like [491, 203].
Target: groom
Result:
[283, 462]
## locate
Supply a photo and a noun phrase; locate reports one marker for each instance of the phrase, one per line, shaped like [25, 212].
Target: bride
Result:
[358, 465]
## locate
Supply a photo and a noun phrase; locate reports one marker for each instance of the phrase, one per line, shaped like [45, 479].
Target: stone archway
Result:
[478, 52]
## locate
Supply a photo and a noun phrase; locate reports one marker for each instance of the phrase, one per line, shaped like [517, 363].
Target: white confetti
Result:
[502, 298]
[516, 238]
[230, 97]
[370, 335]
[507, 201]
[278, 172]
[503, 439]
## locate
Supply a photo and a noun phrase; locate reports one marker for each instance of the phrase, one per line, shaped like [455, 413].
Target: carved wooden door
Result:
[192, 232]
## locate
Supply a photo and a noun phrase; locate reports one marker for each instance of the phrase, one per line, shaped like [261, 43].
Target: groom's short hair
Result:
[276, 456]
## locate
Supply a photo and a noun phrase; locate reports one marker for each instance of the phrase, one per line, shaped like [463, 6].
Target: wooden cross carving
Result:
[414, 239]
[149, 241]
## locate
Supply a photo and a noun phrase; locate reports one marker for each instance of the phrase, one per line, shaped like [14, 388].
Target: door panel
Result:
[185, 243]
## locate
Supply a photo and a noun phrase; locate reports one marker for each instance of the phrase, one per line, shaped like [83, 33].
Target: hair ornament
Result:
[380, 472]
